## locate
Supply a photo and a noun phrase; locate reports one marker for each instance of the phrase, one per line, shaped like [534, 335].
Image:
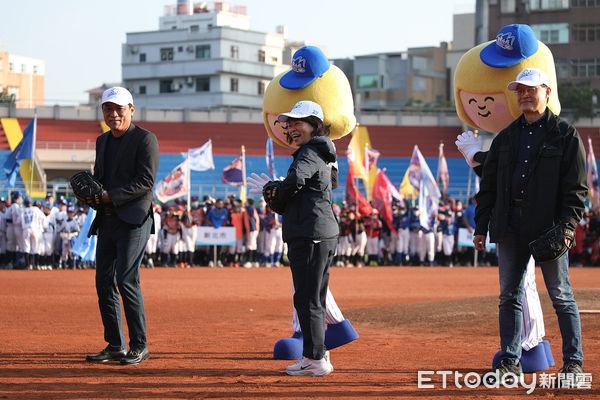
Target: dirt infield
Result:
[211, 333]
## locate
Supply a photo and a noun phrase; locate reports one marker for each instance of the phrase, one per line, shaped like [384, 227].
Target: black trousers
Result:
[310, 271]
[119, 253]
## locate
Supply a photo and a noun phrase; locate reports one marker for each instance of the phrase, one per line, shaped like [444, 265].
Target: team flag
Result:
[201, 158]
[233, 173]
[443, 177]
[23, 151]
[592, 178]
[270, 158]
[174, 185]
[84, 246]
[384, 192]
[419, 183]
[355, 198]
[356, 151]
[371, 157]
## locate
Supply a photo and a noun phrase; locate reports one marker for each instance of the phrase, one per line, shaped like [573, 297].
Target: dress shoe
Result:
[135, 357]
[106, 355]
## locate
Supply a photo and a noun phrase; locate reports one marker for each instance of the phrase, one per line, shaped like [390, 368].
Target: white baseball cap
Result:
[302, 109]
[530, 77]
[118, 95]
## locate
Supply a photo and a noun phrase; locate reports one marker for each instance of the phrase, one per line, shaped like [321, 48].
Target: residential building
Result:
[390, 81]
[570, 28]
[202, 56]
[23, 78]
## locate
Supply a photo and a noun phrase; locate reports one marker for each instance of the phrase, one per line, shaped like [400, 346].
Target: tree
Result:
[6, 98]
[578, 97]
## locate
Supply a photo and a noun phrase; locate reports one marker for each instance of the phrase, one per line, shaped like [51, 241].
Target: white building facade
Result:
[201, 57]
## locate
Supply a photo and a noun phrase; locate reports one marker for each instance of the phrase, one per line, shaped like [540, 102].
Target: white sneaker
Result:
[297, 366]
[211, 264]
[248, 264]
[219, 264]
[310, 367]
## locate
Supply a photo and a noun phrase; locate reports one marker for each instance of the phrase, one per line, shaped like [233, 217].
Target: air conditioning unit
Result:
[134, 49]
[189, 80]
[190, 49]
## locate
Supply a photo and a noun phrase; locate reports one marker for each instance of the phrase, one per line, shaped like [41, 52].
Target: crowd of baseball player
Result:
[40, 235]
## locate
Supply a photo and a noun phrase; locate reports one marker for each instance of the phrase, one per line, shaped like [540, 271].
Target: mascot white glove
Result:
[469, 144]
[255, 183]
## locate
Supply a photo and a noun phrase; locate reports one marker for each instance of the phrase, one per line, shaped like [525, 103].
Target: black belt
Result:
[517, 203]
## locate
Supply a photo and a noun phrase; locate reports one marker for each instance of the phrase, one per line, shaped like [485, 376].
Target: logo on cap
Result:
[505, 40]
[299, 65]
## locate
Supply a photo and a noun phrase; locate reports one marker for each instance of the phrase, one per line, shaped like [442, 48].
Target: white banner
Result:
[465, 239]
[209, 236]
[173, 185]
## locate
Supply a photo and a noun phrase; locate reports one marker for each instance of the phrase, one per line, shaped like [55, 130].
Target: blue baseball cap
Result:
[513, 44]
[308, 64]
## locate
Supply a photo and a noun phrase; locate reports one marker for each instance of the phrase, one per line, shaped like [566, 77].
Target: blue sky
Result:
[80, 40]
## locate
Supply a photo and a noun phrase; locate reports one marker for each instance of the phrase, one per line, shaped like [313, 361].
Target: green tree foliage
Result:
[578, 97]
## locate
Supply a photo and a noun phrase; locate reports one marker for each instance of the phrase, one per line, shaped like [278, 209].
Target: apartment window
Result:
[142, 89]
[202, 84]
[367, 81]
[202, 51]
[180, 49]
[538, 5]
[562, 68]
[261, 87]
[586, 32]
[11, 67]
[166, 86]
[166, 54]
[419, 84]
[142, 57]
[235, 52]
[194, 28]
[23, 68]
[35, 69]
[234, 85]
[585, 3]
[508, 6]
[588, 68]
[275, 59]
[421, 63]
[552, 33]
[261, 56]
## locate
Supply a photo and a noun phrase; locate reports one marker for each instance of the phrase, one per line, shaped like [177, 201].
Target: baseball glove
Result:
[87, 189]
[270, 194]
[552, 244]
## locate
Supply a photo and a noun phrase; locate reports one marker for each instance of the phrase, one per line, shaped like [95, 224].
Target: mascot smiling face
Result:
[310, 78]
[480, 82]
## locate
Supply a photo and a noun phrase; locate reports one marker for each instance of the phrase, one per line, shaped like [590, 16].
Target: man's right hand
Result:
[479, 242]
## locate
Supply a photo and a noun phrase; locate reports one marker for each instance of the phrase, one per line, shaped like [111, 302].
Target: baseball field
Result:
[211, 333]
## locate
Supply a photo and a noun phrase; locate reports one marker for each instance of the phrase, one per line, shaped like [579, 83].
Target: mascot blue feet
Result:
[336, 335]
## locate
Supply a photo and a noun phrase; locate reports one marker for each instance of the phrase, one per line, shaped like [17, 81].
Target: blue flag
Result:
[270, 158]
[23, 151]
[84, 246]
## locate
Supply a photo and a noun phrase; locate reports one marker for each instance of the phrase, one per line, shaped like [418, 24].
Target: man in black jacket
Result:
[533, 179]
[126, 164]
